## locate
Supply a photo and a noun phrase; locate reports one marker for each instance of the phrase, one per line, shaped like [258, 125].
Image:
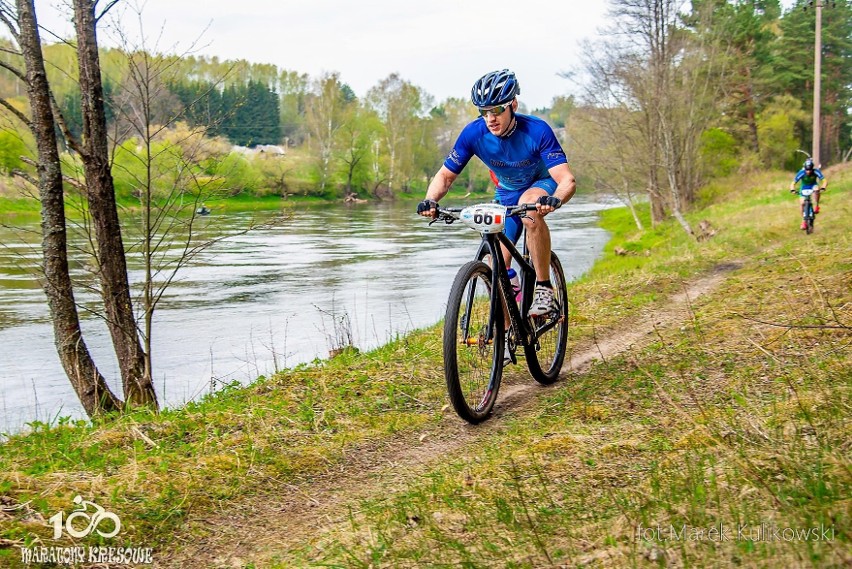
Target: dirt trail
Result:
[285, 516]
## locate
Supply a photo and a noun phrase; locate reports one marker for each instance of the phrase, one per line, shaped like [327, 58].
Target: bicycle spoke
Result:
[545, 357]
[471, 367]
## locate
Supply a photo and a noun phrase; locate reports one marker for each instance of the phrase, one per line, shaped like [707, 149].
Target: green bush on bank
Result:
[183, 162]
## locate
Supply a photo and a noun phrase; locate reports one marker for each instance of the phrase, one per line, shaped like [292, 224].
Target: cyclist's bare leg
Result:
[538, 240]
[538, 235]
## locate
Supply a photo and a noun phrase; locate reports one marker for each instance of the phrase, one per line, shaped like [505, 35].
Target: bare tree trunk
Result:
[392, 168]
[831, 131]
[672, 164]
[751, 114]
[631, 205]
[655, 196]
[658, 208]
[138, 387]
[88, 383]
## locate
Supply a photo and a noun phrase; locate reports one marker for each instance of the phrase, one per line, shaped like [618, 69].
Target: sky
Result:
[442, 46]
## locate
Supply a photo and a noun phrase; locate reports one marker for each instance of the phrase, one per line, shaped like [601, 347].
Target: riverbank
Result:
[11, 206]
[237, 312]
[30, 206]
[730, 417]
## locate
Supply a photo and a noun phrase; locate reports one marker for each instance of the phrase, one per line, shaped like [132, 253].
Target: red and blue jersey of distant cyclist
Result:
[518, 160]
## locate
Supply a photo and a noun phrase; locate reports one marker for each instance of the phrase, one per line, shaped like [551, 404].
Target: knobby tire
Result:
[473, 363]
[809, 218]
[547, 354]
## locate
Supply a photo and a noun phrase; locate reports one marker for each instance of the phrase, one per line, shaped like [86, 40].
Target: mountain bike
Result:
[483, 306]
[808, 215]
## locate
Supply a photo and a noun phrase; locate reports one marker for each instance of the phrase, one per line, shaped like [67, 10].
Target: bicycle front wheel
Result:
[546, 355]
[473, 343]
[808, 215]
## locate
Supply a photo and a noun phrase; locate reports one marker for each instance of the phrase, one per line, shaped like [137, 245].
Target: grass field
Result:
[719, 439]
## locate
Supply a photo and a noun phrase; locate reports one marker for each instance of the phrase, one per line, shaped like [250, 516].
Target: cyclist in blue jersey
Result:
[810, 177]
[528, 162]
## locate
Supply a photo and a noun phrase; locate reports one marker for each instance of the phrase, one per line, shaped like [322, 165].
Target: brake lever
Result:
[445, 217]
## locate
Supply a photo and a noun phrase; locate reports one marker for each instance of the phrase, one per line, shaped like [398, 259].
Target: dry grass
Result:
[733, 420]
[732, 413]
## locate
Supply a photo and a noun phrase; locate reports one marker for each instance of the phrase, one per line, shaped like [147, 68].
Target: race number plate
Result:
[807, 192]
[485, 218]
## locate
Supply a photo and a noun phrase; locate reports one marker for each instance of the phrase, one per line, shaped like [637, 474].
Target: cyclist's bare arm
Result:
[440, 184]
[566, 184]
[438, 187]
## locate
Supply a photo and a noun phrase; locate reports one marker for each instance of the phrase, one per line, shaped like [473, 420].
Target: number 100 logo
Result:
[75, 520]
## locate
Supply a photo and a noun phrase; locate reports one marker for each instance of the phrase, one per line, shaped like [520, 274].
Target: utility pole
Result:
[818, 5]
[817, 76]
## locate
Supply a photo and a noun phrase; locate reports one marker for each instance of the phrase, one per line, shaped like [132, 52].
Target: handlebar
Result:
[450, 214]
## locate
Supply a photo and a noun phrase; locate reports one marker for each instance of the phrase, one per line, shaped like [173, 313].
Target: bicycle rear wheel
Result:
[473, 352]
[546, 355]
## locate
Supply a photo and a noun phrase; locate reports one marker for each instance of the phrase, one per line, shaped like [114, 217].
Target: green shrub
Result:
[12, 148]
[718, 153]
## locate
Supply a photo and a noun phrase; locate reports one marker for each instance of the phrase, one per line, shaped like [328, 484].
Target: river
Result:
[259, 301]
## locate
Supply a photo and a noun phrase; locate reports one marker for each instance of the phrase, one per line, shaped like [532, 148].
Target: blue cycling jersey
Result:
[808, 180]
[518, 160]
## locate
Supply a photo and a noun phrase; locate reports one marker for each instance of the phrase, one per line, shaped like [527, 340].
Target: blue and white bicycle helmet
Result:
[809, 164]
[495, 88]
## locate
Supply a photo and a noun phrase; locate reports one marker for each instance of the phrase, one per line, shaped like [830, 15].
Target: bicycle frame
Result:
[808, 208]
[473, 342]
[500, 282]
[807, 205]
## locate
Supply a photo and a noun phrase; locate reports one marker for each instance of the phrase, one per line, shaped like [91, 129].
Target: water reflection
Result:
[260, 300]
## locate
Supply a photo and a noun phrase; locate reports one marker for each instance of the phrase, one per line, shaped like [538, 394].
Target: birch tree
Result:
[669, 78]
[359, 129]
[399, 104]
[323, 117]
[161, 158]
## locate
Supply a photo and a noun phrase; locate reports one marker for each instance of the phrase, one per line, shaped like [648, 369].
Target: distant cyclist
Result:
[809, 177]
[529, 166]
